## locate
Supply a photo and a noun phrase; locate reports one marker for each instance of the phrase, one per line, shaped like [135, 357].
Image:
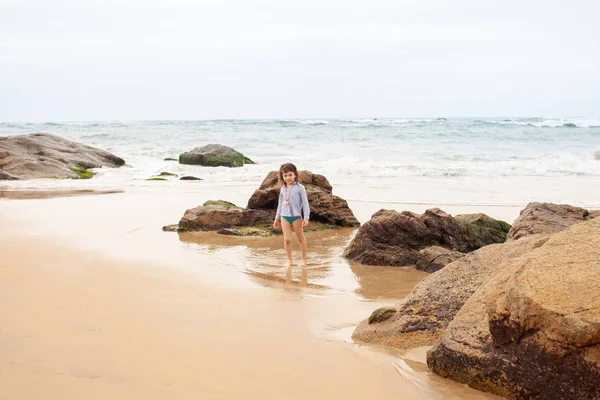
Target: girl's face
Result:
[289, 177]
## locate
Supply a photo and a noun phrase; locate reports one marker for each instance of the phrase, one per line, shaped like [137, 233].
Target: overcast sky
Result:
[173, 59]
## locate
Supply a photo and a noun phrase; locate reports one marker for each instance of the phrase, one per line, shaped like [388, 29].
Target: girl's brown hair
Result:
[288, 167]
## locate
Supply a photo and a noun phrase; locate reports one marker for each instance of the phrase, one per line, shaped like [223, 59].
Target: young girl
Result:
[293, 210]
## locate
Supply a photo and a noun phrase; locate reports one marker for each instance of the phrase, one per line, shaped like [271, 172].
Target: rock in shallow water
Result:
[42, 155]
[327, 211]
[395, 238]
[214, 155]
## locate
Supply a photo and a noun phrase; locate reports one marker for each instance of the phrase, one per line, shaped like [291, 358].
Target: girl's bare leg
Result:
[299, 230]
[287, 239]
[288, 274]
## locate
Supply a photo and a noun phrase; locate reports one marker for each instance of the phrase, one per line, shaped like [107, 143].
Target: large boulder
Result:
[395, 238]
[324, 206]
[42, 155]
[547, 218]
[430, 307]
[433, 303]
[214, 155]
[532, 331]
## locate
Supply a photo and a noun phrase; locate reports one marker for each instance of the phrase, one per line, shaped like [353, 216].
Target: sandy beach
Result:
[97, 301]
[418, 131]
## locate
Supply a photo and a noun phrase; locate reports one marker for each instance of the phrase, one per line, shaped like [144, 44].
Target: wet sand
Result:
[50, 194]
[97, 302]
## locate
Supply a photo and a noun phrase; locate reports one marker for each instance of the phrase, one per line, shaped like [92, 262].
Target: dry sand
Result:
[97, 323]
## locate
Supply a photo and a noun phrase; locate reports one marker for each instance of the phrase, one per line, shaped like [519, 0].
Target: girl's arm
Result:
[305, 205]
[278, 214]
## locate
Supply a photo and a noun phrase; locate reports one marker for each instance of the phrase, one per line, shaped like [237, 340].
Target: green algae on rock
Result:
[214, 155]
[80, 172]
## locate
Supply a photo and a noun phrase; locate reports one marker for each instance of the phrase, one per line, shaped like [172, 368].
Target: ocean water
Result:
[501, 161]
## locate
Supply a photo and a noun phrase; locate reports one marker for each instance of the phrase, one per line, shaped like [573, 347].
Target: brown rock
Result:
[546, 218]
[42, 155]
[324, 206]
[434, 258]
[216, 215]
[327, 211]
[433, 303]
[533, 330]
[393, 238]
[210, 218]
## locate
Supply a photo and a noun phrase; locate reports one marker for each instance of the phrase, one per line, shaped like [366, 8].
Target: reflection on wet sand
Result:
[385, 282]
[49, 194]
[264, 261]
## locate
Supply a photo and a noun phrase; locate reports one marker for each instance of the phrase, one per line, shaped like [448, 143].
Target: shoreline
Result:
[80, 323]
[110, 305]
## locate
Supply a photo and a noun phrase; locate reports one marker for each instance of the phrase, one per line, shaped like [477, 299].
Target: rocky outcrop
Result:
[42, 155]
[228, 219]
[434, 258]
[394, 238]
[430, 307]
[533, 330]
[547, 218]
[327, 211]
[214, 155]
[324, 206]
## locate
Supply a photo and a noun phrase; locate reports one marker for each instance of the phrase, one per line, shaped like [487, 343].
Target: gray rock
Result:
[42, 155]
[214, 155]
[547, 218]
